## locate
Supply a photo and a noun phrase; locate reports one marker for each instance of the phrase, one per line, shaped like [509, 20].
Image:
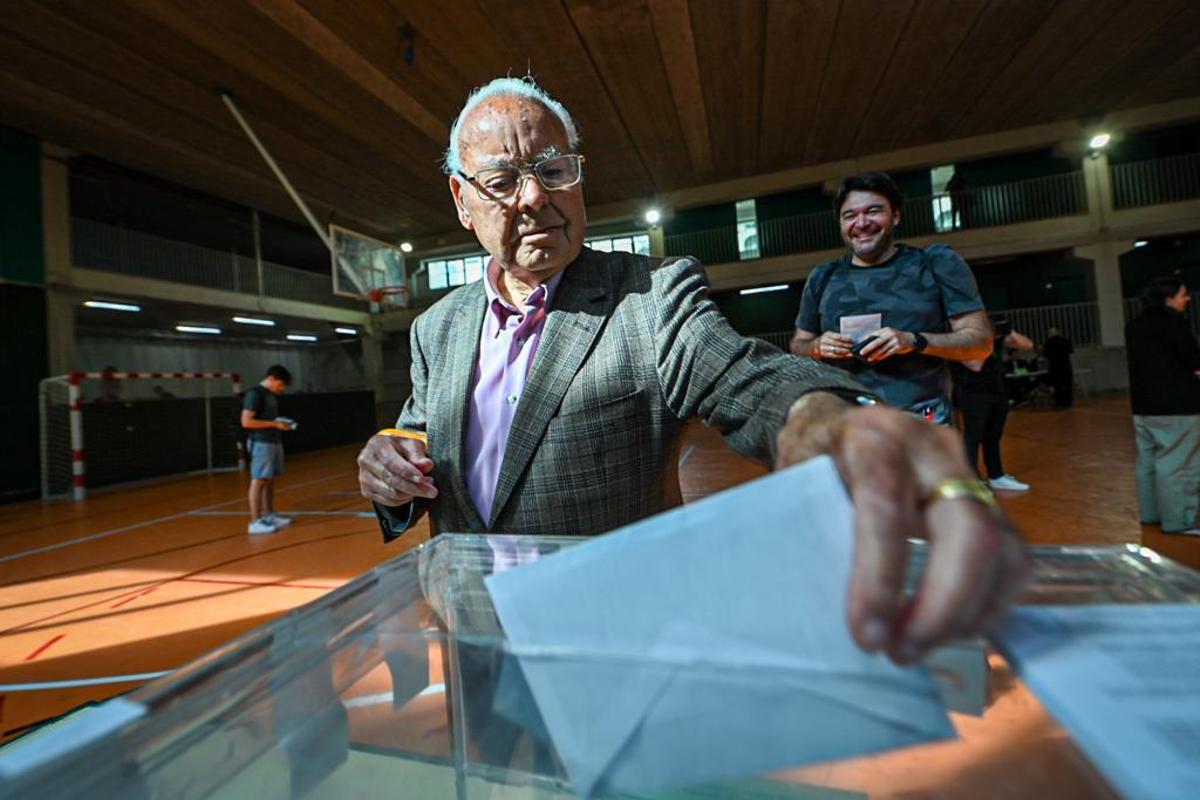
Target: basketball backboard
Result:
[366, 268]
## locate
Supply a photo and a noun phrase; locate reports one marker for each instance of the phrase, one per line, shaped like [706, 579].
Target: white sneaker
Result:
[278, 521]
[260, 526]
[1008, 483]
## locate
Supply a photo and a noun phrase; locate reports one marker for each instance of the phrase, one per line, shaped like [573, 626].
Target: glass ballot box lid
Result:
[402, 684]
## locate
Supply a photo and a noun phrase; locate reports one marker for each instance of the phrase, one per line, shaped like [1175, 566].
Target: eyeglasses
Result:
[553, 174]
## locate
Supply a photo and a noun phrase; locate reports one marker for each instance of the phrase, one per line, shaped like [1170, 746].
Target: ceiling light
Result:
[347, 331]
[111, 306]
[1100, 140]
[301, 337]
[406, 247]
[255, 321]
[760, 289]
[196, 329]
[652, 216]
[1141, 243]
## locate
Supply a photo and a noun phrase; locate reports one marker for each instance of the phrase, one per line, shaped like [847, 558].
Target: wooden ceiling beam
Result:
[1069, 27]
[1000, 31]
[75, 55]
[623, 47]
[919, 59]
[796, 52]
[183, 130]
[305, 28]
[677, 46]
[728, 47]
[284, 107]
[867, 35]
[81, 126]
[248, 56]
[1140, 41]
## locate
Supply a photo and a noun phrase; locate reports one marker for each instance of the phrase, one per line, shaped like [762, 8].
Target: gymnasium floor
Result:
[141, 580]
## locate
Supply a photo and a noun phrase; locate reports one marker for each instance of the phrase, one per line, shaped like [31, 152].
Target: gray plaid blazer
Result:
[632, 348]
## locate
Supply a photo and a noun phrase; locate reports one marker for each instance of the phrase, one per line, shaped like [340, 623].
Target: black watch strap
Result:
[919, 342]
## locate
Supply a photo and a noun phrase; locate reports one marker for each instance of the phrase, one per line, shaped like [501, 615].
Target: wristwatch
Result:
[919, 343]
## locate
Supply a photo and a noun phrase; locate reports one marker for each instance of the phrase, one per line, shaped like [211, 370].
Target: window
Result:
[747, 229]
[437, 274]
[446, 273]
[622, 243]
[943, 204]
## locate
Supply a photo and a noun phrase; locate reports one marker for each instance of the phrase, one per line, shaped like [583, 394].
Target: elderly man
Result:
[910, 310]
[554, 391]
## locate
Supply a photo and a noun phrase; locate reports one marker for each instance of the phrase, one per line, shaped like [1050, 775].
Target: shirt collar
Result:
[541, 296]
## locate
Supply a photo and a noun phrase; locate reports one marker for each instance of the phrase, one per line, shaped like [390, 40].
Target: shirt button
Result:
[512, 399]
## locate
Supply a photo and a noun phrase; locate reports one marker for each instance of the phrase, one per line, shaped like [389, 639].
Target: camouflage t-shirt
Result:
[918, 290]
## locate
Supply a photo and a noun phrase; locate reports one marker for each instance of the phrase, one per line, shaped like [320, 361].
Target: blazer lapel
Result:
[462, 354]
[582, 304]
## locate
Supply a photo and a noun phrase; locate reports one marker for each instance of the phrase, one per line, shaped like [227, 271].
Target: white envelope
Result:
[709, 642]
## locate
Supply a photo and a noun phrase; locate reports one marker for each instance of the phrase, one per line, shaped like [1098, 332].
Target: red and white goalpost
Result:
[139, 424]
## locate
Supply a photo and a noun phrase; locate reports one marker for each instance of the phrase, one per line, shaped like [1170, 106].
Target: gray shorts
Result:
[266, 459]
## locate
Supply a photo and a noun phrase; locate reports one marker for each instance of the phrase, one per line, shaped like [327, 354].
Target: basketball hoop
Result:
[391, 295]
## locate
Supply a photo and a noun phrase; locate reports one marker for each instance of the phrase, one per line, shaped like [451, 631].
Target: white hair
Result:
[507, 87]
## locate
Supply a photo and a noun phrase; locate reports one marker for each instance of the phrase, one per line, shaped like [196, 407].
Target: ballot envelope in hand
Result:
[708, 642]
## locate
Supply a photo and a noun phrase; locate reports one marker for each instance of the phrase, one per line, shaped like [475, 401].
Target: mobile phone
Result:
[857, 349]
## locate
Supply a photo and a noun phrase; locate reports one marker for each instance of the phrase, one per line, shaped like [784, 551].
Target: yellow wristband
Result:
[404, 433]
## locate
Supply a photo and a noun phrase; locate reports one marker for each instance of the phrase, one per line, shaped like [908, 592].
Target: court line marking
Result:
[282, 584]
[125, 528]
[367, 700]
[133, 597]
[370, 514]
[45, 647]
[76, 682]
[686, 453]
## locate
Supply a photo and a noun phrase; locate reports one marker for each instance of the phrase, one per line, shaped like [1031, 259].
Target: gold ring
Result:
[961, 488]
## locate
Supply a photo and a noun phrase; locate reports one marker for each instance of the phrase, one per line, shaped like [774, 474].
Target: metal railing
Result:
[1079, 322]
[97, 245]
[713, 246]
[984, 207]
[1154, 181]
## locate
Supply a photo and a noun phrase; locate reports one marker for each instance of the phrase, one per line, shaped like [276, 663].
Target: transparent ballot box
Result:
[402, 684]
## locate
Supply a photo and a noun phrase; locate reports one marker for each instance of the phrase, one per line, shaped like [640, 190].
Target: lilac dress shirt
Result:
[507, 344]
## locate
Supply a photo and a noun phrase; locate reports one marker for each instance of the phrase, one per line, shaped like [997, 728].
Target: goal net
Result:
[106, 428]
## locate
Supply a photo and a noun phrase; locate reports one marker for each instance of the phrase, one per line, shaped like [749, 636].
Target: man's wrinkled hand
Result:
[891, 462]
[392, 471]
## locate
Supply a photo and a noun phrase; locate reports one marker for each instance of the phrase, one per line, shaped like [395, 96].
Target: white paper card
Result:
[1124, 680]
[857, 327]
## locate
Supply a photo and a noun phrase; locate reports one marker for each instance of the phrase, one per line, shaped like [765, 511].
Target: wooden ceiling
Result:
[355, 97]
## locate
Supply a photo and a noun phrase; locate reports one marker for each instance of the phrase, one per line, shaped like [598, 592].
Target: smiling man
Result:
[553, 394]
[916, 308]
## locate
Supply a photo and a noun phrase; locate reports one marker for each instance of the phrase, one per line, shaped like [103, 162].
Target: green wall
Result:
[1015, 167]
[703, 218]
[21, 256]
[1035, 279]
[23, 354]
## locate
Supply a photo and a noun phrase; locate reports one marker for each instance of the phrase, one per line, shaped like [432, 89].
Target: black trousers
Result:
[1063, 382]
[983, 424]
